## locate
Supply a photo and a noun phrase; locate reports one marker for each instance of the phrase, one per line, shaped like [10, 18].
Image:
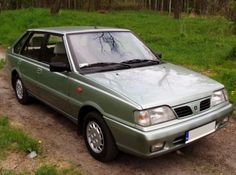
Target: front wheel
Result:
[98, 138]
[20, 91]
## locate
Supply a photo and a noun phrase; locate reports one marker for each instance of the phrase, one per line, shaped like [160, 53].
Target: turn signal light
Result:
[79, 90]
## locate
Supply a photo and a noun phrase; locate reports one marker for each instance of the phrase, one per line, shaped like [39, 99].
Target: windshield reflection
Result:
[107, 47]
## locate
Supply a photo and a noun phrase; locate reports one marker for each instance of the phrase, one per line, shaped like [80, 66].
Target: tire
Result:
[98, 138]
[20, 91]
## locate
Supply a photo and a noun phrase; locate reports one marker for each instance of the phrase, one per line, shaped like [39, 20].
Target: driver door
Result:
[54, 86]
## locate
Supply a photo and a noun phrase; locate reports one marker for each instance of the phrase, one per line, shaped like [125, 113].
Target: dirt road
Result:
[2, 53]
[215, 154]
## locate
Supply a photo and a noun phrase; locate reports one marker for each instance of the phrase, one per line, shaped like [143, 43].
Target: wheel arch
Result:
[85, 109]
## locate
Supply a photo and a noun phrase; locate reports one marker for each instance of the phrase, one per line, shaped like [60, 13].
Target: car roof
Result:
[76, 29]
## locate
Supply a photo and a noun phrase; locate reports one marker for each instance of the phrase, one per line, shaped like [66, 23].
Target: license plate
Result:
[200, 132]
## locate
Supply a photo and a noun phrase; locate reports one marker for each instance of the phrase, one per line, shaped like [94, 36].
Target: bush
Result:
[232, 13]
[232, 54]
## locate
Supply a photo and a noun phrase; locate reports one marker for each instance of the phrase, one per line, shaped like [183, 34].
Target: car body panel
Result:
[101, 98]
[164, 84]
[53, 87]
[25, 68]
[138, 142]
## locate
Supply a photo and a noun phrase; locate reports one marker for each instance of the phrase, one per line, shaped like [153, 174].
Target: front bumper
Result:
[137, 142]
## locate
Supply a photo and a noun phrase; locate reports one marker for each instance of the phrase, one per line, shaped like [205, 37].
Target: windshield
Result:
[107, 47]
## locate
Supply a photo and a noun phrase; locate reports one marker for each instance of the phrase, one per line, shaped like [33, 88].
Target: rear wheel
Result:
[20, 91]
[98, 138]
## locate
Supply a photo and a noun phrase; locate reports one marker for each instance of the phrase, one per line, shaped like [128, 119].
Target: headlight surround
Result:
[154, 116]
[218, 97]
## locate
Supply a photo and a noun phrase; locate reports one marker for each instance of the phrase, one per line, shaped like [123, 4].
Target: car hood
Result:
[164, 84]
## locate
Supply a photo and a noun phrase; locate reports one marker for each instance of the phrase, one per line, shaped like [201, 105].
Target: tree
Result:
[56, 6]
[177, 8]
[170, 6]
[110, 4]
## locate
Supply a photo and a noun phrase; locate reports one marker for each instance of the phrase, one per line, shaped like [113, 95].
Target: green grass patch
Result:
[14, 139]
[200, 42]
[53, 170]
[7, 172]
[12, 172]
[45, 170]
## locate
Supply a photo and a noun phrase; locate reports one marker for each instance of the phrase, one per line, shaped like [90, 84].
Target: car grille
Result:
[183, 111]
[187, 110]
[205, 104]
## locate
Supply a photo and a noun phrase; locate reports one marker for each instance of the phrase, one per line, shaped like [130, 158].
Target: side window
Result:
[20, 43]
[33, 48]
[55, 50]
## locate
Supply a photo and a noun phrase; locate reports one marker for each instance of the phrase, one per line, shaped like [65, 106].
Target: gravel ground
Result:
[215, 154]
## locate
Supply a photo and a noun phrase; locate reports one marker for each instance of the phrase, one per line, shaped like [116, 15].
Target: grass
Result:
[200, 43]
[12, 172]
[53, 170]
[47, 170]
[44, 170]
[14, 139]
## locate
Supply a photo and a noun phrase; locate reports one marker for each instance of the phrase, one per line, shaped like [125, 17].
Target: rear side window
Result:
[20, 43]
[55, 50]
[33, 47]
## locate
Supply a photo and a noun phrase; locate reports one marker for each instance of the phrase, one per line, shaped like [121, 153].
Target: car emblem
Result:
[195, 108]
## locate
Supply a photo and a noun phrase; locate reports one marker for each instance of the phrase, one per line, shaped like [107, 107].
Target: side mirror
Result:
[59, 67]
[159, 55]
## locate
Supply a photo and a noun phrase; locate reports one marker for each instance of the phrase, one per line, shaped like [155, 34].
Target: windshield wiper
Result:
[101, 64]
[102, 67]
[106, 65]
[137, 61]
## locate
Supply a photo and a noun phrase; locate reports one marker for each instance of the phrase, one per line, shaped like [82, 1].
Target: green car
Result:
[120, 93]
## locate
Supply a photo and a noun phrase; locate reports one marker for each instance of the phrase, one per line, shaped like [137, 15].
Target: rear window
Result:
[33, 47]
[20, 43]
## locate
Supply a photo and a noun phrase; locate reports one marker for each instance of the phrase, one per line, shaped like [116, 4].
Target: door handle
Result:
[39, 70]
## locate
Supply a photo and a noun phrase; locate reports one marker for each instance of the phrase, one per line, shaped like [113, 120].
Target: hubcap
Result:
[95, 137]
[19, 89]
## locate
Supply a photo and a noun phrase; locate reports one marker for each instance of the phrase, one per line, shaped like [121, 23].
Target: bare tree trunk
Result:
[89, 5]
[145, 4]
[150, 4]
[177, 9]
[18, 4]
[56, 6]
[170, 6]
[110, 4]
[98, 4]
[187, 8]
[194, 5]
[197, 7]
[162, 6]
[155, 4]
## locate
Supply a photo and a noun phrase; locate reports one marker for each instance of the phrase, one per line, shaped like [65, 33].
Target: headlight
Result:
[219, 97]
[153, 116]
[226, 95]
